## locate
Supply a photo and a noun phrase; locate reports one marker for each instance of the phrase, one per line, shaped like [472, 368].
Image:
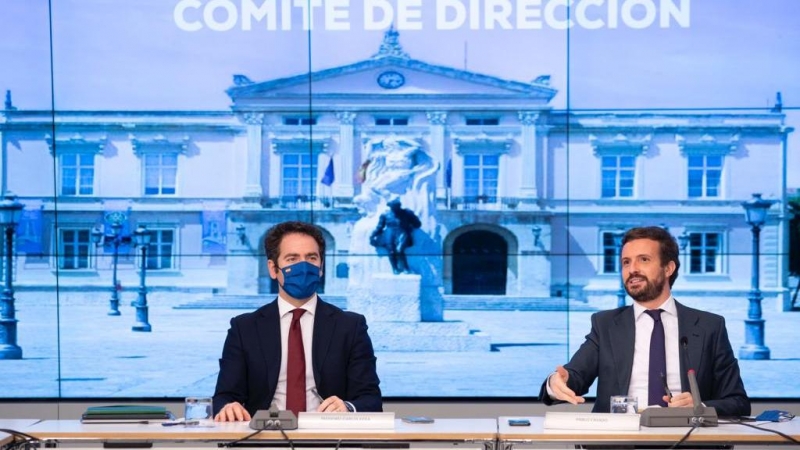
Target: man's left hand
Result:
[682, 400]
[332, 404]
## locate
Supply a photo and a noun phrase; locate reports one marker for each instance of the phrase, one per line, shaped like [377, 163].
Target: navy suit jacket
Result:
[342, 356]
[607, 355]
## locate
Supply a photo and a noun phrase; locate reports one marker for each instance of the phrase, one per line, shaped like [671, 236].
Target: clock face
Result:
[391, 80]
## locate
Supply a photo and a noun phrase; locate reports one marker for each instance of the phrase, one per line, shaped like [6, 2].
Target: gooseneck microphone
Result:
[698, 415]
[698, 405]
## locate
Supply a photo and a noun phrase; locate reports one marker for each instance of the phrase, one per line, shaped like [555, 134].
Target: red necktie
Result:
[296, 366]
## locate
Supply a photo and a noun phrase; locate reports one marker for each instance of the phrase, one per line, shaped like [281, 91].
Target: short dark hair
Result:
[668, 246]
[272, 243]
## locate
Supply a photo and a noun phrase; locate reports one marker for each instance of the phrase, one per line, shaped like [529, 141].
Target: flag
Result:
[448, 174]
[329, 177]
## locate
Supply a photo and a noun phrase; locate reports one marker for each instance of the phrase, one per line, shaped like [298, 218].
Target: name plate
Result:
[591, 421]
[346, 421]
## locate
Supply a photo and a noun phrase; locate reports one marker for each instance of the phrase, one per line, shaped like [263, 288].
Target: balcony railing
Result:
[305, 202]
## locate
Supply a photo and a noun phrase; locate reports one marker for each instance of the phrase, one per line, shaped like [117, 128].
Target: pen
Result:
[189, 423]
[666, 387]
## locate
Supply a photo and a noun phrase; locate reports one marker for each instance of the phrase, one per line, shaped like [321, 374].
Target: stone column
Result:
[437, 120]
[546, 175]
[528, 155]
[343, 160]
[252, 188]
[458, 174]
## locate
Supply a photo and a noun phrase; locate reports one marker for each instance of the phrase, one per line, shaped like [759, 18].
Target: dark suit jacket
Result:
[607, 354]
[342, 356]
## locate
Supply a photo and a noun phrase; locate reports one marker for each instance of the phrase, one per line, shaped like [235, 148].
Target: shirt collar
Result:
[284, 307]
[668, 307]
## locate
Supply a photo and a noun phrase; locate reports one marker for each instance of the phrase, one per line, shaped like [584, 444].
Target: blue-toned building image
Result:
[142, 229]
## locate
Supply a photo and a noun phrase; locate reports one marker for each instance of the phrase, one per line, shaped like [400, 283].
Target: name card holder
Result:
[591, 421]
[346, 421]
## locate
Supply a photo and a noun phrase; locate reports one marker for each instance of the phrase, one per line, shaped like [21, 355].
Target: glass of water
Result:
[624, 404]
[199, 411]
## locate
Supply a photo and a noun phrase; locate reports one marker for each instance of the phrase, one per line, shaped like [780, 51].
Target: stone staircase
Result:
[506, 303]
[454, 302]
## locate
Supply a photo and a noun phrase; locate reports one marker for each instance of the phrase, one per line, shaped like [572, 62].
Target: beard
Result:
[651, 289]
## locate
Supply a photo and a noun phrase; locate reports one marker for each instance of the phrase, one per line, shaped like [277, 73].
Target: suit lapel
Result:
[689, 327]
[324, 324]
[623, 339]
[269, 337]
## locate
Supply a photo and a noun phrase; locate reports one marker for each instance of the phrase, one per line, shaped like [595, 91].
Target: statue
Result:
[394, 234]
[397, 208]
[400, 168]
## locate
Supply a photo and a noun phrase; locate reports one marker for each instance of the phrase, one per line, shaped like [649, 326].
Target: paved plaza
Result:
[96, 355]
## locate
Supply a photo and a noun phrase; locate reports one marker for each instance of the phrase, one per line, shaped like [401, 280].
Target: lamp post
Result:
[141, 237]
[115, 238]
[755, 211]
[618, 244]
[10, 210]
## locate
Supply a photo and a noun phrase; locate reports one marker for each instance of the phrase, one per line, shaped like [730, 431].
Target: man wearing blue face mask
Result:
[297, 352]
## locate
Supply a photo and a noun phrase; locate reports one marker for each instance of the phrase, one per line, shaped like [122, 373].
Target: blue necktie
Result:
[658, 361]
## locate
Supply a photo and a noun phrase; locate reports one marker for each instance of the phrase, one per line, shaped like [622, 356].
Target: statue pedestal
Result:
[389, 298]
[394, 310]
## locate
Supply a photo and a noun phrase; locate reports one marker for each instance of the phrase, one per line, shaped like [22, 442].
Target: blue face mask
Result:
[300, 280]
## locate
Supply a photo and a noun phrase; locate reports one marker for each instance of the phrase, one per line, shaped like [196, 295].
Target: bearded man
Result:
[646, 350]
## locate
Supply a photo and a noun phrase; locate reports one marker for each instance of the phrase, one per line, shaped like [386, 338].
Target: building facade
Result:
[529, 198]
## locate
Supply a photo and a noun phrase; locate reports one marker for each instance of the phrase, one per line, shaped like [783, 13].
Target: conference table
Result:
[536, 436]
[466, 434]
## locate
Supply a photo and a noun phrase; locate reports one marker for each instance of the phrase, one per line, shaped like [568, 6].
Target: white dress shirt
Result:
[641, 350]
[307, 328]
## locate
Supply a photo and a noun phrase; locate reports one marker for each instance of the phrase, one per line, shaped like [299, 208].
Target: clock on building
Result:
[391, 79]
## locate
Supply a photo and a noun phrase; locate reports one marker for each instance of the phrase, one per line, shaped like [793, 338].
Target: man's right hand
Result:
[558, 386]
[233, 411]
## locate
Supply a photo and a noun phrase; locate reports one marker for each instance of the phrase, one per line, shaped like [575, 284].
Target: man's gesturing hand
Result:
[558, 386]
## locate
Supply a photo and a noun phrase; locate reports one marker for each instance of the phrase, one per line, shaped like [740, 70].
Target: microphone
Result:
[273, 419]
[699, 415]
[698, 406]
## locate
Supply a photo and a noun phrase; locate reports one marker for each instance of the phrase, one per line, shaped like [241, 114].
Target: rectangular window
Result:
[300, 120]
[483, 121]
[391, 121]
[77, 174]
[160, 171]
[480, 177]
[160, 252]
[299, 175]
[618, 176]
[610, 254]
[74, 247]
[705, 174]
[704, 252]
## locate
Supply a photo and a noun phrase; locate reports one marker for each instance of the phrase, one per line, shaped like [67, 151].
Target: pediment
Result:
[387, 76]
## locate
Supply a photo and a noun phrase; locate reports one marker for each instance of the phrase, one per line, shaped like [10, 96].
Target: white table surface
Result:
[724, 433]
